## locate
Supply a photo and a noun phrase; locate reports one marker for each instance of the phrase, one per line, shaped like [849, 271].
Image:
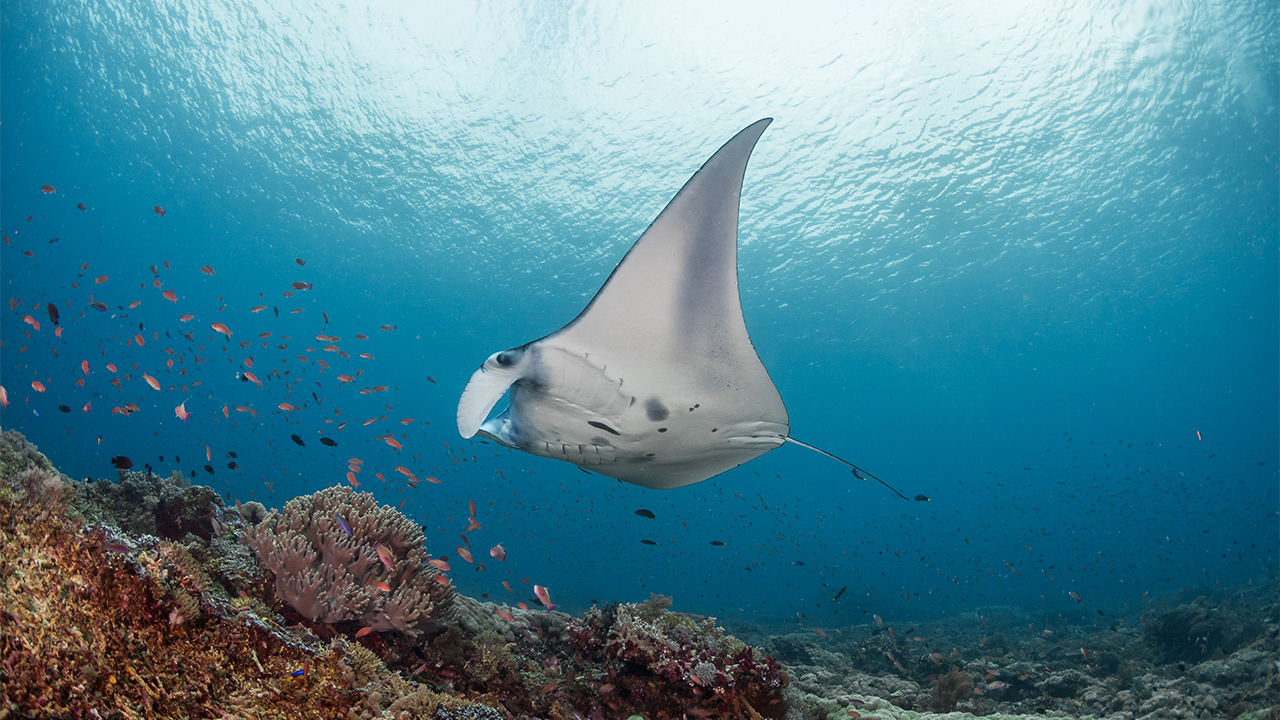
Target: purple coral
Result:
[323, 549]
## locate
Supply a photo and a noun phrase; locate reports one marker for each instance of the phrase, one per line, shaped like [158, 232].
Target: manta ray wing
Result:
[656, 382]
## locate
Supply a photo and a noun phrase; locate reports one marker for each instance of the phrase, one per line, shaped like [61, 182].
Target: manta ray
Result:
[656, 382]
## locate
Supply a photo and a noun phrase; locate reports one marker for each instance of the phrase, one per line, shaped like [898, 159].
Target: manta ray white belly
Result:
[656, 382]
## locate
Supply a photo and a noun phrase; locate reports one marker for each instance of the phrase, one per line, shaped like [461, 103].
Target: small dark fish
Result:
[99, 306]
[326, 317]
[277, 310]
[298, 440]
[64, 408]
[80, 206]
[1100, 611]
[232, 465]
[648, 542]
[923, 498]
[329, 441]
[839, 593]
[342, 524]
[800, 563]
[53, 313]
[208, 469]
[177, 459]
[161, 458]
[122, 462]
[232, 454]
[646, 514]
[300, 261]
[301, 286]
[717, 543]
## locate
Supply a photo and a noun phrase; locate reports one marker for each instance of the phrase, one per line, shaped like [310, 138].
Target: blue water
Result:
[1023, 262]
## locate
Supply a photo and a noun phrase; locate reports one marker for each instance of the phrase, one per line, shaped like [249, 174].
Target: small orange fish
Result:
[344, 379]
[138, 339]
[363, 631]
[186, 318]
[465, 554]
[31, 321]
[99, 281]
[84, 365]
[286, 407]
[37, 386]
[394, 443]
[366, 356]
[135, 304]
[404, 471]
[819, 632]
[87, 406]
[154, 383]
[362, 337]
[544, 596]
[385, 556]
[504, 614]
[382, 586]
[181, 411]
[257, 308]
[58, 331]
[48, 189]
[208, 453]
[252, 378]
[473, 523]
[439, 564]
[351, 478]
[207, 270]
[219, 327]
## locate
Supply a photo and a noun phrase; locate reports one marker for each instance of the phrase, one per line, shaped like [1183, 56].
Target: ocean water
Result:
[1020, 260]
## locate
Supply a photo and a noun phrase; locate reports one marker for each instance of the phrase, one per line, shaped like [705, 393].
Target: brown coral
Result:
[330, 573]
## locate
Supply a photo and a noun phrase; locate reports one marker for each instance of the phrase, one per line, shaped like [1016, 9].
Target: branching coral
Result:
[331, 573]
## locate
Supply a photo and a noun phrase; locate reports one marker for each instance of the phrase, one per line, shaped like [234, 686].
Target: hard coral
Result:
[329, 573]
[665, 661]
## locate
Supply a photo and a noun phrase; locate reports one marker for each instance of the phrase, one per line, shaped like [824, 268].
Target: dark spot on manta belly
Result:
[656, 411]
[603, 427]
[662, 429]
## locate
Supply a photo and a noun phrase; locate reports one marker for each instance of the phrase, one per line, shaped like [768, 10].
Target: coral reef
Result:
[339, 556]
[167, 620]
[665, 661]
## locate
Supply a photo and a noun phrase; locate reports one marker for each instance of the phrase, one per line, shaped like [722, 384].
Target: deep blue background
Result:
[1015, 263]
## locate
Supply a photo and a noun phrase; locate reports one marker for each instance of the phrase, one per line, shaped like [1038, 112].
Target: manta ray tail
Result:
[857, 471]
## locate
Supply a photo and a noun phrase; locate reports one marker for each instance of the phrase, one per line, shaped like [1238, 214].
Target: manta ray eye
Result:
[506, 358]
